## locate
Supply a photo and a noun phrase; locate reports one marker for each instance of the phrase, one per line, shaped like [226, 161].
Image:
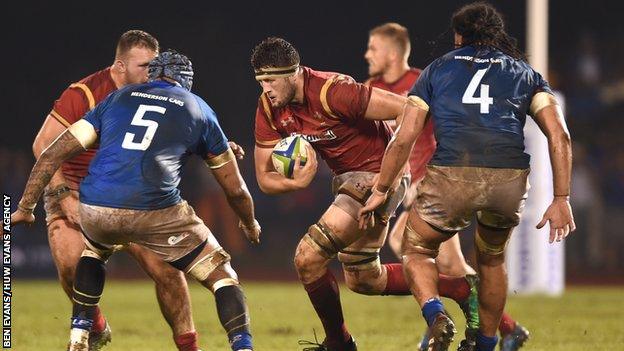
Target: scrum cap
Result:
[172, 65]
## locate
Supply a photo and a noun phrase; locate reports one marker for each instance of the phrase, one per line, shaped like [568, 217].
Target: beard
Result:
[288, 97]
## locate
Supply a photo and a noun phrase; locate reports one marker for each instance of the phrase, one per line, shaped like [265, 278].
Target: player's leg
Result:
[363, 271]
[319, 245]
[86, 292]
[173, 296]
[451, 261]
[493, 280]
[66, 246]
[505, 191]
[421, 243]
[182, 239]
[212, 269]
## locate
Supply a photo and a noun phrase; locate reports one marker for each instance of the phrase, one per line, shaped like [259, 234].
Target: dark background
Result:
[47, 46]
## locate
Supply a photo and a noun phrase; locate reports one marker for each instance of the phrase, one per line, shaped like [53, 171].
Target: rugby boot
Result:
[424, 343]
[98, 340]
[315, 346]
[441, 333]
[514, 340]
[78, 340]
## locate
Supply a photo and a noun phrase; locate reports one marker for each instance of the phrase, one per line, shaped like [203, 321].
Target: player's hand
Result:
[69, 205]
[303, 175]
[559, 215]
[237, 149]
[366, 215]
[251, 230]
[20, 216]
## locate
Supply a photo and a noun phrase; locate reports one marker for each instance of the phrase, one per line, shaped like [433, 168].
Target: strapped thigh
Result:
[98, 251]
[491, 249]
[205, 265]
[413, 243]
[323, 240]
[361, 260]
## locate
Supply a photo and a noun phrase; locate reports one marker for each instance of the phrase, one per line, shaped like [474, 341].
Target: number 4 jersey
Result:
[146, 132]
[478, 99]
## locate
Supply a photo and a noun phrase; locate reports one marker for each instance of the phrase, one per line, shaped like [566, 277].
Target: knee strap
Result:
[413, 242]
[323, 240]
[490, 249]
[207, 264]
[362, 260]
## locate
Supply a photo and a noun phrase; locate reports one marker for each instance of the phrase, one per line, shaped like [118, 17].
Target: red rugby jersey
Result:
[332, 119]
[74, 102]
[425, 144]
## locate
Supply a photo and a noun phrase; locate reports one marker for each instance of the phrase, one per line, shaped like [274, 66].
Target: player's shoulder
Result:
[94, 87]
[317, 80]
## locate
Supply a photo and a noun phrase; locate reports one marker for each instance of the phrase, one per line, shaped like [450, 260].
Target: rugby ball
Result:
[285, 153]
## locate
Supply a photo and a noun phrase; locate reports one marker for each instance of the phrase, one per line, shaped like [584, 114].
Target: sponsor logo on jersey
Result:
[328, 135]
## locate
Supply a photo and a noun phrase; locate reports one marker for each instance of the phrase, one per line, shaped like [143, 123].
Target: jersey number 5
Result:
[137, 120]
[484, 100]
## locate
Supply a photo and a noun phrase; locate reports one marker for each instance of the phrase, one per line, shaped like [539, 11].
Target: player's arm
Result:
[549, 117]
[397, 152]
[225, 170]
[385, 105]
[271, 182]
[80, 136]
[50, 130]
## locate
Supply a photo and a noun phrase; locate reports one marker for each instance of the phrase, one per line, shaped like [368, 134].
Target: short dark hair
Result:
[274, 52]
[395, 32]
[135, 38]
[480, 23]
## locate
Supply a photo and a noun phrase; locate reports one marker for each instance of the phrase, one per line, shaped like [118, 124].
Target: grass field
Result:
[583, 319]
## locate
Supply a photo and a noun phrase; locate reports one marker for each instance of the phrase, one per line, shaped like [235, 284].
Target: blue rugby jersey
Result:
[146, 132]
[478, 99]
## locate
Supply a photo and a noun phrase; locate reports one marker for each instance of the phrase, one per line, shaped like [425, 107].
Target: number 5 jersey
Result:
[146, 132]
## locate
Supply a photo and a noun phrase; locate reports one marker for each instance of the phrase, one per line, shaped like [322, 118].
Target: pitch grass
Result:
[583, 319]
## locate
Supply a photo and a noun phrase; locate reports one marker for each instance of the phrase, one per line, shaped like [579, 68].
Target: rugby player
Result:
[342, 121]
[146, 132]
[134, 50]
[387, 56]
[478, 97]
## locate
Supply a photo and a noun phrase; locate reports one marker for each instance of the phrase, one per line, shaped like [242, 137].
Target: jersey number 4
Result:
[137, 120]
[484, 100]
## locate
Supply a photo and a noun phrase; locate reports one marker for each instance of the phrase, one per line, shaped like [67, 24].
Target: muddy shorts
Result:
[448, 197]
[171, 232]
[352, 189]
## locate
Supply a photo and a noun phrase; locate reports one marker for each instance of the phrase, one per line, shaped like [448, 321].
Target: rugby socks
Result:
[99, 322]
[456, 288]
[431, 308]
[186, 341]
[88, 286]
[396, 283]
[234, 316]
[486, 343]
[325, 297]
[507, 324]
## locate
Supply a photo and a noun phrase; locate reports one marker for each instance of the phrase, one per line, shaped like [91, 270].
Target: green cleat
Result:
[470, 308]
[98, 340]
[514, 340]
